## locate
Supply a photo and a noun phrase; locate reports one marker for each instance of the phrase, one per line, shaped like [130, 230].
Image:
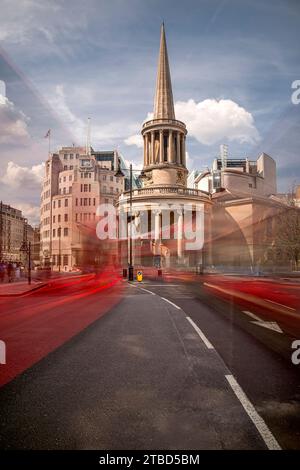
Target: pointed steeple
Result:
[163, 103]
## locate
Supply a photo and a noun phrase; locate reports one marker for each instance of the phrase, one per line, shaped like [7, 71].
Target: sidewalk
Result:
[12, 289]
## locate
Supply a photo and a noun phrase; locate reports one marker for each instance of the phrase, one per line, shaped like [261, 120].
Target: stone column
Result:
[178, 148]
[161, 146]
[157, 232]
[145, 149]
[152, 148]
[183, 158]
[170, 147]
[180, 234]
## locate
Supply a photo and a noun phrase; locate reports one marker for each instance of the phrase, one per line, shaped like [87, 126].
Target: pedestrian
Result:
[17, 272]
[10, 272]
[2, 271]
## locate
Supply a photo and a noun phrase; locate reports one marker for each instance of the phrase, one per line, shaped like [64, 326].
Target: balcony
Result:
[168, 191]
[168, 122]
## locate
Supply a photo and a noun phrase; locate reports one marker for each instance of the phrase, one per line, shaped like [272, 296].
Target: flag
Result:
[48, 134]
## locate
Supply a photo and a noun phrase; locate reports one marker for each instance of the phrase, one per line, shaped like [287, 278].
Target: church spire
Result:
[163, 103]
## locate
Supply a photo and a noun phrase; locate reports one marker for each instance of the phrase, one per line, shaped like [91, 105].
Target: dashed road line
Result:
[169, 301]
[149, 291]
[201, 334]
[257, 420]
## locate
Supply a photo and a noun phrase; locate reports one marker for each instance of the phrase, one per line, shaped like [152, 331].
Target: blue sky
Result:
[232, 66]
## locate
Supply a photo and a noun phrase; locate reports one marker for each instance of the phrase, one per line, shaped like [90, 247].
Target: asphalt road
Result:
[139, 375]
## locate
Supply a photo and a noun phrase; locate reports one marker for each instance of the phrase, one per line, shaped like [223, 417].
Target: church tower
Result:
[164, 136]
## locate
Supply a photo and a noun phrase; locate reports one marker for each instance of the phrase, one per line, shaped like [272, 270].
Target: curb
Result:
[19, 294]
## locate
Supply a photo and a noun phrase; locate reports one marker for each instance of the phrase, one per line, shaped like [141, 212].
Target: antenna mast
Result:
[224, 154]
[88, 137]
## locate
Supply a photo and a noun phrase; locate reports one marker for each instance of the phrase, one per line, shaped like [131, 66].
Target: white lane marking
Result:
[252, 315]
[257, 420]
[281, 305]
[163, 285]
[270, 325]
[201, 334]
[169, 301]
[149, 291]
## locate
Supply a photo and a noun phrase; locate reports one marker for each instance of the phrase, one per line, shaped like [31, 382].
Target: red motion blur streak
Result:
[276, 300]
[34, 325]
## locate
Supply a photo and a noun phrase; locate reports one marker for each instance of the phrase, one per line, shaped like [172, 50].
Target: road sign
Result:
[139, 276]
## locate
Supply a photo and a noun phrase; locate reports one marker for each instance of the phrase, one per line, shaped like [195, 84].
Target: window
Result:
[54, 219]
[65, 179]
[65, 232]
[65, 167]
[85, 201]
[89, 187]
[65, 156]
[71, 156]
[66, 218]
[89, 201]
[77, 155]
[85, 188]
[53, 232]
[65, 260]
[76, 202]
[117, 180]
[104, 177]
[111, 178]
[76, 217]
[250, 185]
[66, 202]
[106, 201]
[70, 176]
[59, 203]
[59, 218]
[104, 189]
[53, 204]
[94, 201]
[59, 232]
[71, 167]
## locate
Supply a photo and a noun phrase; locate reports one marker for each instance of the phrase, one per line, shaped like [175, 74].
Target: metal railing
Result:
[163, 190]
[163, 121]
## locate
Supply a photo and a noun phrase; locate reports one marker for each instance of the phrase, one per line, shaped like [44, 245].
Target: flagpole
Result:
[49, 139]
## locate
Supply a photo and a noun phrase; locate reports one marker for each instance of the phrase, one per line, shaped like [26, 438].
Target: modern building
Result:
[245, 214]
[77, 180]
[164, 200]
[241, 175]
[14, 231]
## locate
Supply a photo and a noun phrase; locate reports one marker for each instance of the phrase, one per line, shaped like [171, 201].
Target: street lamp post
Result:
[26, 248]
[130, 267]
[59, 248]
[120, 173]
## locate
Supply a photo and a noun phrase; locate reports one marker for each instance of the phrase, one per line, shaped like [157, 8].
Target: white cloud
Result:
[135, 139]
[211, 121]
[13, 124]
[31, 212]
[23, 177]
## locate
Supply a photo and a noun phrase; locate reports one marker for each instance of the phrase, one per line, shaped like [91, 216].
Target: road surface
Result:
[158, 365]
